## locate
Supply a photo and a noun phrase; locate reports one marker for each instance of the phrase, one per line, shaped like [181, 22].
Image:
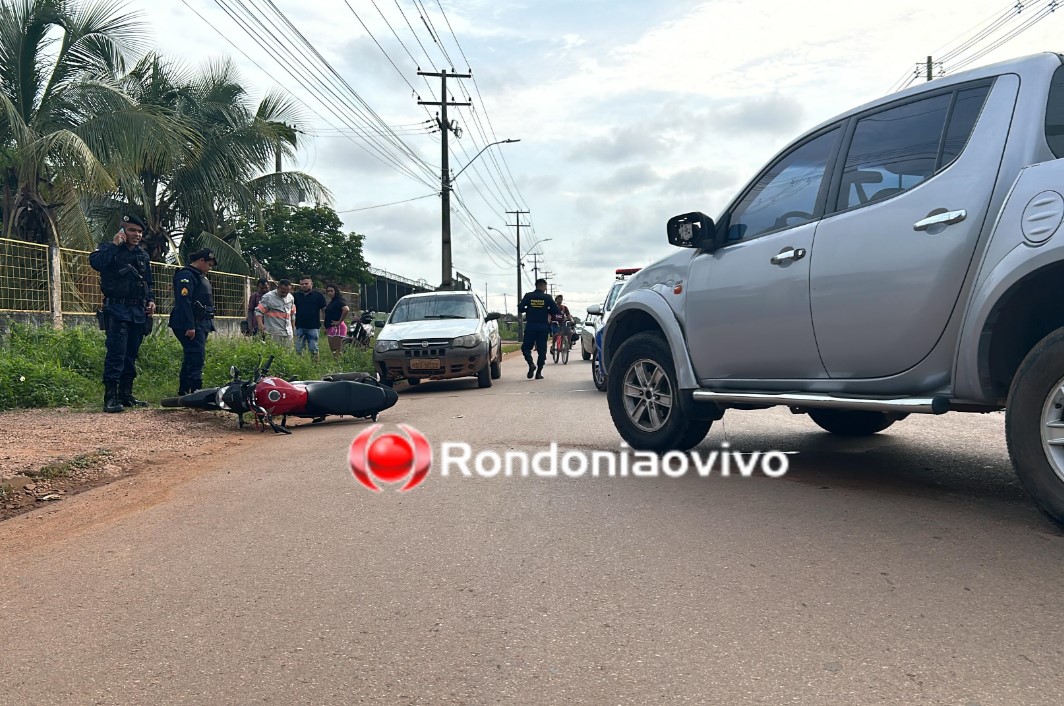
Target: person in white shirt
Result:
[275, 312]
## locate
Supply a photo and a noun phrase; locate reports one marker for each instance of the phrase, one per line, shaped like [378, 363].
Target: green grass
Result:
[508, 347]
[63, 469]
[42, 367]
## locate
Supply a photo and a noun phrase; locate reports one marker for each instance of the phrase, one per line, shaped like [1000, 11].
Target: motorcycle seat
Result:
[347, 397]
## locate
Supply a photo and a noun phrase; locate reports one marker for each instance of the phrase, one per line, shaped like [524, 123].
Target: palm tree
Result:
[63, 116]
[194, 196]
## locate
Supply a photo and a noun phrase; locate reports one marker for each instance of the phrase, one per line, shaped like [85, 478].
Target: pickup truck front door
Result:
[748, 302]
[887, 268]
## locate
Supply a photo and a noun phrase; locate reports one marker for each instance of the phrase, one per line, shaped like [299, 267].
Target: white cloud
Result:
[628, 112]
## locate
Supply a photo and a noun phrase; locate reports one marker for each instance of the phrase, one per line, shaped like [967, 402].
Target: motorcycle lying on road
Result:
[342, 394]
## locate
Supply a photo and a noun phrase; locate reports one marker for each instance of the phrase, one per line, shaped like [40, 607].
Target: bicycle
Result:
[565, 333]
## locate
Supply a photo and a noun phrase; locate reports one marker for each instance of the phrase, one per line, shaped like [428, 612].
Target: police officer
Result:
[192, 318]
[537, 306]
[125, 279]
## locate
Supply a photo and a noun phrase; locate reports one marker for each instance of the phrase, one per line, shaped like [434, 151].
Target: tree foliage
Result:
[295, 242]
[88, 130]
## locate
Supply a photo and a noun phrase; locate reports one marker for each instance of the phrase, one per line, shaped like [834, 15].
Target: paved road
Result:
[908, 568]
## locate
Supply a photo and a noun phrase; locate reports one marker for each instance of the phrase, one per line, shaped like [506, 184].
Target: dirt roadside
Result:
[54, 458]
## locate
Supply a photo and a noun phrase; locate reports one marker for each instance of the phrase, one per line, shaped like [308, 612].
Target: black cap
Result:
[203, 254]
[134, 220]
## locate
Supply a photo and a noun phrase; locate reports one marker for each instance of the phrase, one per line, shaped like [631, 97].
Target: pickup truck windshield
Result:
[454, 306]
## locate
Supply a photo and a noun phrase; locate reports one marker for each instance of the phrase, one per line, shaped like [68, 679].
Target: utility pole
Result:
[445, 171]
[929, 68]
[517, 217]
[535, 265]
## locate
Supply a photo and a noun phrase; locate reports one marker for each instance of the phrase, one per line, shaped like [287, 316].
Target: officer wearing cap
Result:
[125, 279]
[192, 318]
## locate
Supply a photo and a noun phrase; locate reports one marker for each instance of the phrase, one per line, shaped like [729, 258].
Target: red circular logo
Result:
[390, 457]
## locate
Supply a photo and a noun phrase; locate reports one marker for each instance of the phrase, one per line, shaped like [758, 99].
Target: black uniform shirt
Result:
[193, 300]
[125, 279]
[537, 307]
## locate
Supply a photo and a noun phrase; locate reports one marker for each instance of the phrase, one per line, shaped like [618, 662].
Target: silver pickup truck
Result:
[904, 257]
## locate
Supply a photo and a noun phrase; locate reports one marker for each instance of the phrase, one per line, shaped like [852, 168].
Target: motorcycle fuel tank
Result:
[280, 397]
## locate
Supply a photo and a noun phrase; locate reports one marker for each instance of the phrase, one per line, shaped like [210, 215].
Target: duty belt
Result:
[127, 302]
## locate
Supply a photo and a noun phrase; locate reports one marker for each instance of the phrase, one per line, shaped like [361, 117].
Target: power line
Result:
[382, 205]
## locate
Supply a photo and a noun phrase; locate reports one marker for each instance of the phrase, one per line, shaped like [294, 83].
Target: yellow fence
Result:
[24, 278]
[26, 281]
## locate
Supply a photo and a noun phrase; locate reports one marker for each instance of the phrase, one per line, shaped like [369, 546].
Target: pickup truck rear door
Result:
[908, 205]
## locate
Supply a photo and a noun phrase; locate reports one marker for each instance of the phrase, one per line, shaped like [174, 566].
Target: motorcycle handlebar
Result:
[265, 370]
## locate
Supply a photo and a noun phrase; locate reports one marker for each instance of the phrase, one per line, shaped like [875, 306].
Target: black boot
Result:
[126, 398]
[539, 371]
[111, 402]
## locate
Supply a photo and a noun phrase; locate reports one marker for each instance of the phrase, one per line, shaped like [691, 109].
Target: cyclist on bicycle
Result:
[560, 324]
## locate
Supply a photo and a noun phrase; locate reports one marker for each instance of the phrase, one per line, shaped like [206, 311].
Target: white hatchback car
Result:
[439, 336]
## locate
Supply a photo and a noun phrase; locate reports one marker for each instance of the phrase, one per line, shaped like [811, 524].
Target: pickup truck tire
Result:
[644, 398]
[1034, 407]
[851, 422]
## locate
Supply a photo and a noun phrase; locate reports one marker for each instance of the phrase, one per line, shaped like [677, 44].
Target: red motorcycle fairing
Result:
[279, 397]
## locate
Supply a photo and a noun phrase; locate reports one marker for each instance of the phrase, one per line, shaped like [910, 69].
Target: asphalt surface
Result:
[908, 568]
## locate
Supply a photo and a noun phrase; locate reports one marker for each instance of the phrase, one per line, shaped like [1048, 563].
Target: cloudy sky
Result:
[628, 111]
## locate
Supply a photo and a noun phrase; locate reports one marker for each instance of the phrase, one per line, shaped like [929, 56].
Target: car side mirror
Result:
[493, 316]
[594, 310]
[691, 230]
[378, 324]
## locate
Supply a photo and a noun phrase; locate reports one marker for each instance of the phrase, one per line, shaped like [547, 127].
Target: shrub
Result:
[27, 383]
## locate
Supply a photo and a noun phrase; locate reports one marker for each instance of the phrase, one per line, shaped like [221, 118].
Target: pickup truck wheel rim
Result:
[1053, 428]
[647, 395]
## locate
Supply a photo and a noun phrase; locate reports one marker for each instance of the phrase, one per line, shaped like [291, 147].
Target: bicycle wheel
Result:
[554, 351]
[565, 351]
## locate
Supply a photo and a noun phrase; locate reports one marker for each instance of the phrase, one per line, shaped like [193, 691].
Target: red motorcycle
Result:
[342, 394]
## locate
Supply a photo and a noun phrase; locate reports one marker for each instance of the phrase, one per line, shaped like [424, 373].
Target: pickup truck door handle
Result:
[946, 219]
[787, 255]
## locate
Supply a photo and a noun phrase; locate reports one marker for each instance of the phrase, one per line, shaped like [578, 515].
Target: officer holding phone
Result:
[192, 318]
[128, 305]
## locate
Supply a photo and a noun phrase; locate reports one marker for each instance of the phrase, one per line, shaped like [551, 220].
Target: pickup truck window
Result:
[893, 151]
[786, 195]
[1055, 114]
[962, 121]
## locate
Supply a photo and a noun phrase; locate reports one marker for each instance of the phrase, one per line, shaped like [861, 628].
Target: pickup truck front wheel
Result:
[1034, 425]
[645, 401]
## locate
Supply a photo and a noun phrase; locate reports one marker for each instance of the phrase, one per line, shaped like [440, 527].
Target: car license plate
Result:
[425, 364]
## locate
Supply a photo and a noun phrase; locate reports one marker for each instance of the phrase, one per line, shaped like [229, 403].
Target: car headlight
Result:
[471, 341]
[386, 345]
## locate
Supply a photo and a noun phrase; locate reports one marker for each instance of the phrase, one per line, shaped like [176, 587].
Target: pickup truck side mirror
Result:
[594, 310]
[493, 316]
[691, 230]
[378, 324]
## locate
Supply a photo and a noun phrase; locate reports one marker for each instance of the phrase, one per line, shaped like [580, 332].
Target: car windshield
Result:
[440, 307]
[612, 296]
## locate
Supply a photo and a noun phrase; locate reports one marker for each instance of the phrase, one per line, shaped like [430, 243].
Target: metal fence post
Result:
[55, 286]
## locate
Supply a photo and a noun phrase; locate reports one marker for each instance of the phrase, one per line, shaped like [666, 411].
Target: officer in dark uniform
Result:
[192, 318]
[537, 306]
[125, 279]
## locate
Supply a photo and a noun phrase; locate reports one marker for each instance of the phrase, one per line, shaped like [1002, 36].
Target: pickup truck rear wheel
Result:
[645, 401]
[1034, 424]
[851, 422]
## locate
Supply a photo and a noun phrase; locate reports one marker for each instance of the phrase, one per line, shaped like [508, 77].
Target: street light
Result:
[447, 283]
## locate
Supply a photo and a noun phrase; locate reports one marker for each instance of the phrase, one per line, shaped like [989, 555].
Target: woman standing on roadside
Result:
[336, 312]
